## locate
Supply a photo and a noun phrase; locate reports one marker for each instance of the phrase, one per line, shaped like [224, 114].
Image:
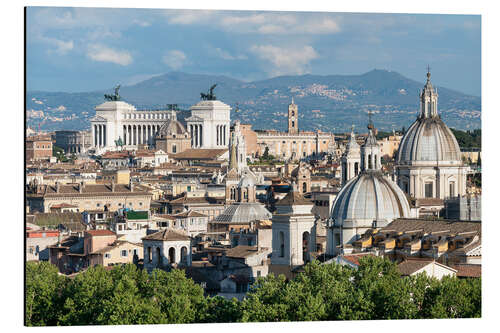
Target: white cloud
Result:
[99, 52]
[141, 23]
[227, 56]
[188, 16]
[286, 60]
[258, 22]
[174, 59]
[58, 46]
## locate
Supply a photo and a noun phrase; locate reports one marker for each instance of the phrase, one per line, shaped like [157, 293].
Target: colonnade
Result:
[139, 134]
[99, 135]
[196, 131]
[221, 135]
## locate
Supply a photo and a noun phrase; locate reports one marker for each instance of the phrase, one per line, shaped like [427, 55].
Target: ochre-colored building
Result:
[38, 148]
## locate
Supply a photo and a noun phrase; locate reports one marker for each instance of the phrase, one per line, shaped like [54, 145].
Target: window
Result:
[428, 190]
[174, 149]
[124, 253]
[140, 203]
[107, 255]
[258, 273]
[452, 189]
[282, 244]
[98, 205]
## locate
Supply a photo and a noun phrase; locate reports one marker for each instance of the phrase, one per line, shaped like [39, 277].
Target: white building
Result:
[429, 163]
[294, 235]
[166, 249]
[209, 124]
[119, 120]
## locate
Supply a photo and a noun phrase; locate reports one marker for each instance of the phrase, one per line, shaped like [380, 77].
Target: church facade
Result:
[293, 144]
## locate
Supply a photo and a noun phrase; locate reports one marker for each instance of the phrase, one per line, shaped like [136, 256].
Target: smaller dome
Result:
[370, 197]
[171, 127]
[247, 180]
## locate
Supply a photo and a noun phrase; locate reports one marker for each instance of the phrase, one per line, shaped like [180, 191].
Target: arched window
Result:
[305, 246]
[282, 244]
[369, 161]
[158, 256]
[356, 168]
[184, 255]
[171, 255]
[304, 187]
[150, 259]
[174, 149]
[375, 162]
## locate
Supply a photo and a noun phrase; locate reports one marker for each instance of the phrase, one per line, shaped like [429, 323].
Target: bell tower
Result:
[293, 118]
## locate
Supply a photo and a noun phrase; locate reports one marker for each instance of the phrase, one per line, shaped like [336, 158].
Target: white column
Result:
[94, 135]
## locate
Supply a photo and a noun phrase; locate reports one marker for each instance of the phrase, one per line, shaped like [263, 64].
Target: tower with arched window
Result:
[351, 160]
[293, 233]
[293, 118]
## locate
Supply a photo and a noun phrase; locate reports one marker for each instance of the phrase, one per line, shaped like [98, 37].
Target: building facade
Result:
[209, 124]
[38, 148]
[116, 120]
[73, 142]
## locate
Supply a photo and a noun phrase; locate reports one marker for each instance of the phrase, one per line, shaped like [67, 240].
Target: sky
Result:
[88, 49]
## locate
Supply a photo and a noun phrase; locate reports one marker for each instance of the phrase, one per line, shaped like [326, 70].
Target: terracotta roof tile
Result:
[467, 270]
[95, 233]
[168, 235]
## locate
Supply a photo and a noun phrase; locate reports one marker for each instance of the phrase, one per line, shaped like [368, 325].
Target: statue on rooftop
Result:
[209, 96]
[115, 97]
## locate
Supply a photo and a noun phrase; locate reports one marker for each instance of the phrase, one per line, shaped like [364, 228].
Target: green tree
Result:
[265, 300]
[44, 288]
[453, 298]
[220, 310]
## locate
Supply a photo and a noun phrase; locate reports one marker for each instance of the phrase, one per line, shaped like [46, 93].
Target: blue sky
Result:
[86, 49]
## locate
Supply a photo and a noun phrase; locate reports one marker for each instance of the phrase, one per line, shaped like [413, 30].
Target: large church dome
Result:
[428, 139]
[370, 197]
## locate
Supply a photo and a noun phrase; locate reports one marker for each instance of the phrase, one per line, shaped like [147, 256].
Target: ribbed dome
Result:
[428, 140]
[171, 127]
[370, 196]
[248, 180]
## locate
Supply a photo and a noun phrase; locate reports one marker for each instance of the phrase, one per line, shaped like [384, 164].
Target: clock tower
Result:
[293, 118]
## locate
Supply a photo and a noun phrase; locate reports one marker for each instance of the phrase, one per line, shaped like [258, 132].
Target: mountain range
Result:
[326, 102]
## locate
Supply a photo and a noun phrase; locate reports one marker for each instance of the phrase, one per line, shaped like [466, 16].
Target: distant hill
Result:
[326, 102]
